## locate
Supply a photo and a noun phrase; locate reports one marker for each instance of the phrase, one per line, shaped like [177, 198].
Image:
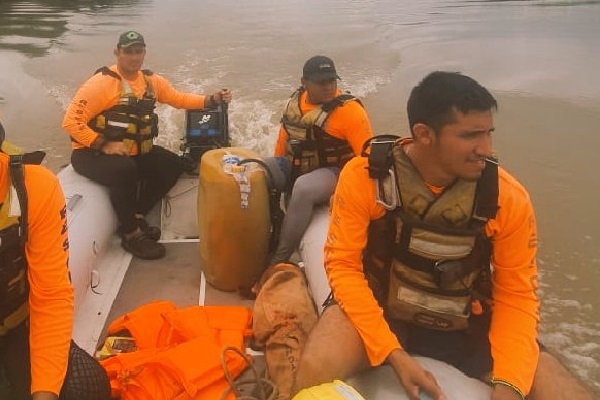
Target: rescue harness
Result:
[308, 146]
[132, 120]
[435, 252]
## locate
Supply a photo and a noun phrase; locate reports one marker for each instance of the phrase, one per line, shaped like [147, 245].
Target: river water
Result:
[540, 59]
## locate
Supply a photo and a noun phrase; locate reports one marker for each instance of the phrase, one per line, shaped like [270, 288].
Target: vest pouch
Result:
[302, 161]
[308, 162]
[414, 297]
[436, 246]
[100, 122]
[146, 146]
[146, 104]
[132, 129]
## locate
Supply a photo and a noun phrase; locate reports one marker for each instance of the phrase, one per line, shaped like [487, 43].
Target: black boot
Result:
[141, 246]
[152, 232]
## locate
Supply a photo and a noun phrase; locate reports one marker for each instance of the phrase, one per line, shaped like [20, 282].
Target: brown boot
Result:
[284, 315]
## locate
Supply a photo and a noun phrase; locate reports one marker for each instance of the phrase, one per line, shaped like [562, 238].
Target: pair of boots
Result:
[144, 243]
[283, 316]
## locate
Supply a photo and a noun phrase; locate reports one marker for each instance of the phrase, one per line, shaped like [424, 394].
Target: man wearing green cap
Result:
[112, 124]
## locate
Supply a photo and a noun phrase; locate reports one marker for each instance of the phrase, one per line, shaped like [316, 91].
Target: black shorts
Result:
[467, 350]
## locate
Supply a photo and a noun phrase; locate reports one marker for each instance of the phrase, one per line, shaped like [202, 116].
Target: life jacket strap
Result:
[487, 192]
[107, 71]
[17, 177]
[380, 155]
[275, 212]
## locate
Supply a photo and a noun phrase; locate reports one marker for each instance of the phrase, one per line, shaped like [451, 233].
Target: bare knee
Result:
[552, 381]
[334, 350]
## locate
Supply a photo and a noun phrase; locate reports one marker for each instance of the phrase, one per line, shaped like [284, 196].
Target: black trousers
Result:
[153, 174]
[85, 379]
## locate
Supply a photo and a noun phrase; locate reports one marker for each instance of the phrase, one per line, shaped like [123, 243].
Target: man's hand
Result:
[502, 392]
[413, 377]
[223, 95]
[44, 396]
[116, 148]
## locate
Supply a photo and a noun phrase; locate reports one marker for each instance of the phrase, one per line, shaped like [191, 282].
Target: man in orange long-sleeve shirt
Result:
[112, 124]
[321, 129]
[408, 258]
[36, 297]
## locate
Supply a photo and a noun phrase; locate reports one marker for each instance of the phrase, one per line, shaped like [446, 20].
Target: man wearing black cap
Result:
[321, 129]
[112, 124]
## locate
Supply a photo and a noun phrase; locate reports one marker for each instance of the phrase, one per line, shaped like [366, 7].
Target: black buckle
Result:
[380, 158]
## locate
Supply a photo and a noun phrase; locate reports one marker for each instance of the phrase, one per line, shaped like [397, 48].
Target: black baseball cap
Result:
[130, 38]
[319, 68]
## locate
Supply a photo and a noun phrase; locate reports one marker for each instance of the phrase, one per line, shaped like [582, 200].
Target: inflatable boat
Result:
[109, 283]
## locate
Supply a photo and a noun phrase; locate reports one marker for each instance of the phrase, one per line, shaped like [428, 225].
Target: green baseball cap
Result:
[130, 38]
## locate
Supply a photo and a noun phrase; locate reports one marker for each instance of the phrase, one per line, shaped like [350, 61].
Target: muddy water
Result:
[540, 58]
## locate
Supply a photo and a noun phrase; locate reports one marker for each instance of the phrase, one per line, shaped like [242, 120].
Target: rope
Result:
[264, 385]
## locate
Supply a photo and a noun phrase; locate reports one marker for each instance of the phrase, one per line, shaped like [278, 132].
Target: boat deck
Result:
[179, 279]
[176, 278]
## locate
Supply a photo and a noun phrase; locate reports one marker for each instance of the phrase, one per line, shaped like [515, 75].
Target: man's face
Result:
[460, 148]
[322, 91]
[131, 58]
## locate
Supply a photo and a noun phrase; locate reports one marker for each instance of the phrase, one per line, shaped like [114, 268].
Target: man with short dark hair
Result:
[112, 124]
[414, 230]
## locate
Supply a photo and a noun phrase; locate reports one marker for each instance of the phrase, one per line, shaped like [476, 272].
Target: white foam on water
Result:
[254, 124]
[62, 94]
[361, 86]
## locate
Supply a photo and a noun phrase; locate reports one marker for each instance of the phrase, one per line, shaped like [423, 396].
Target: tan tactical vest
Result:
[132, 120]
[308, 146]
[438, 251]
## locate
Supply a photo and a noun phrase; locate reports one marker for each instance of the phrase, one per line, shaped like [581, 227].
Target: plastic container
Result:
[233, 219]
[336, 390]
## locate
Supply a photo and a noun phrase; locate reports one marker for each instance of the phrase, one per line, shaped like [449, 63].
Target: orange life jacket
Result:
[178, 354]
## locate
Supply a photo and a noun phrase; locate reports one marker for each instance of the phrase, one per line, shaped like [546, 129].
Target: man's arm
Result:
[353, 207]
[515, 312]
[165, 93]
[51, 293]
[281, 145]
[97, 94]
[352, 210]
[351, 123]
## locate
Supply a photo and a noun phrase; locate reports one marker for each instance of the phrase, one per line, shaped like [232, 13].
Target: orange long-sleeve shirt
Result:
[51, 293]
[515, 304]
[101, 92]
[348, 122]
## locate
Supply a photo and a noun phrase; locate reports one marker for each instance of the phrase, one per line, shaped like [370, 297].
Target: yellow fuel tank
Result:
[233, 218]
